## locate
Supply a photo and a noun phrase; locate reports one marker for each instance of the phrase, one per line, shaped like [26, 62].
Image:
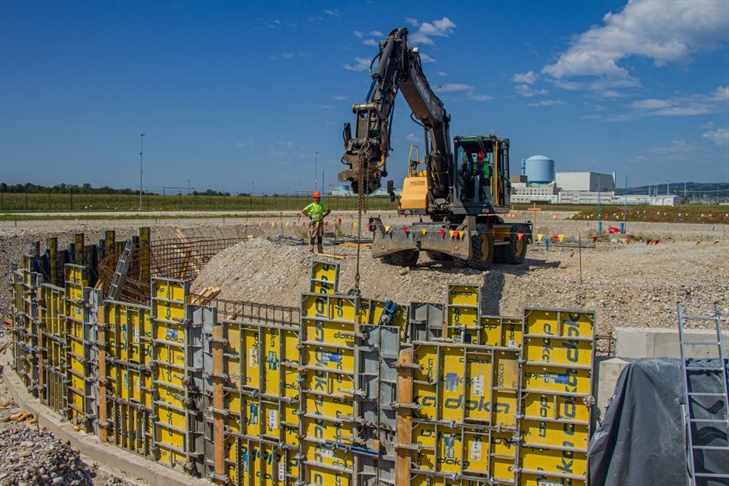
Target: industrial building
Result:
[540, 183]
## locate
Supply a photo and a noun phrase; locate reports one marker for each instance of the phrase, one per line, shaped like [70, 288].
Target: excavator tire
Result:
[516, 251]
[482, 248]
[407, 258]
[438, 256]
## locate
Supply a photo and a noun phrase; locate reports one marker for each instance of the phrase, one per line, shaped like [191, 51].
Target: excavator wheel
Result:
[516, 251]
[438, 256]
[482, 248]
[407, 258]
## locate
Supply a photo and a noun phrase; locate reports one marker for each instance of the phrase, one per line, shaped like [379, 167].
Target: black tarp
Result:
[641, 440]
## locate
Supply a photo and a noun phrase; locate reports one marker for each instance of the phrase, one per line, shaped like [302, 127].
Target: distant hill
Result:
[690, 190]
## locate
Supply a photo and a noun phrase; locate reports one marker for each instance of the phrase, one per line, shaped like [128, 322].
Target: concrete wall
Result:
[663, 343]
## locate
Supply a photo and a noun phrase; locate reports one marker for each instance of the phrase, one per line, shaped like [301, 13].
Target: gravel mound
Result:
[628, 285]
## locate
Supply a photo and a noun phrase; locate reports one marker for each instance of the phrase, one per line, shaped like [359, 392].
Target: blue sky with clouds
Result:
[237, 96]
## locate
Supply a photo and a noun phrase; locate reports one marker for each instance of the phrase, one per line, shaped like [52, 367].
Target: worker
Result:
[316, 211]
[483, 172]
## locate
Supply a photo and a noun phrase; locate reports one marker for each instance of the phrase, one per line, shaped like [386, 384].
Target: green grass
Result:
[19, 207]
[89, 203]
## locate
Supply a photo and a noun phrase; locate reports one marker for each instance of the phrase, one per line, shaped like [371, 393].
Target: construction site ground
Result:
[632, 280]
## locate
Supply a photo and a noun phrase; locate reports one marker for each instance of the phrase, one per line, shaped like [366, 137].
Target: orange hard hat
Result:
[481, 155]
[317, 194]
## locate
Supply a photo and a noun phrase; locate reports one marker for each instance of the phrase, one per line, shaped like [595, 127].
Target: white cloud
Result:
[413, 138]
[719, 136]
[334, 13]
[451, 87]
[666, 32]
[437, 28]
[361, 64]
[370, 42]
[684, 105]
[358, 34]
[339, 97]
[673, 150]
[426, 58]
[526, 91]
[525, 78]
[547, 103]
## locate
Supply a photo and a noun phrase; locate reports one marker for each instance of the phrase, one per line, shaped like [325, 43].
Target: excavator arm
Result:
[398, 69]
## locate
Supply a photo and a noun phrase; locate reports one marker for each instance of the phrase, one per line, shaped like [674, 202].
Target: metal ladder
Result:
[691, 399]
[120, 274]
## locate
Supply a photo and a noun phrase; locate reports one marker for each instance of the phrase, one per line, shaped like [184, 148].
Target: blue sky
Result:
[238, 96]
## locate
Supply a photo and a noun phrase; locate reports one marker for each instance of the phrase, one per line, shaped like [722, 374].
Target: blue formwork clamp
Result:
[387, 313]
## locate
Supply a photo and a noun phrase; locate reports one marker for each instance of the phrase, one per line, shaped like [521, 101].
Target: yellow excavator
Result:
[463, 201]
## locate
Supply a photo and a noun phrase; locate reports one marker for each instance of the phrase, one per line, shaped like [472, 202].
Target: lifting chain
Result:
[361, 207]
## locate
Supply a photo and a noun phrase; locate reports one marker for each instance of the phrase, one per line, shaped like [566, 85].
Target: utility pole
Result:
[141, 149]
[316, 180]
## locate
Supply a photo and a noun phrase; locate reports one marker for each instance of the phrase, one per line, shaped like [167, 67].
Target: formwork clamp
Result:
[407, 406]
[411, 366]
[217, 479]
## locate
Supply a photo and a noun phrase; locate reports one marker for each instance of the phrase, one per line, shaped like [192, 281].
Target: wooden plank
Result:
[355, 245]
[218, 417]
[336, 257]
[102, 374]
[404, 418]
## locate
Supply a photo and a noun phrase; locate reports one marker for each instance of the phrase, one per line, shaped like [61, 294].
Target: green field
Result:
[14, 206]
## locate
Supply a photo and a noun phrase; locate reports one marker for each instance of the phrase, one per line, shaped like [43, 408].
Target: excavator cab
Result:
[477, 190]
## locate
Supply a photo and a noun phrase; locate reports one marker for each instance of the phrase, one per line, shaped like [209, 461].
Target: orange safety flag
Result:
[326, 224]
[555, 237]
[539, 236]
[561, 237]
[572, 254]
[442, 233]
[648, 242]
[405, 229]
[423, 231]
[656, 242]
[339, 221]
[594, 239]
[519, 236]
[354, 224]
[387, 228]
[451, 232]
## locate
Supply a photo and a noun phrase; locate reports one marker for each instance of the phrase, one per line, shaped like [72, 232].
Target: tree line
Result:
[29, 188]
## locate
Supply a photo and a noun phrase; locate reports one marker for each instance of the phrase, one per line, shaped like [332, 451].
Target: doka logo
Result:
[480, 405]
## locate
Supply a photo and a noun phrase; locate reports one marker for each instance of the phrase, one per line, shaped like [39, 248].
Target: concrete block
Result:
[608, 372]
[664, 343]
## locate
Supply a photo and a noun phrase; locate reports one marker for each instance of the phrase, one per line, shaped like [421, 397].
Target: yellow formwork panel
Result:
[170, 456]
[565, 352]
[555, 462]
[324, 277]
[555, 407]
[325, 460]
[572, 324]
[129, 336]
[329, 407]
[177, 291]
[324, 356]
[562, 434]
[466, 384]
[317, 475]
[254, 417]
[339, 384]
[131, 428]
[169, 375]
[557, 380]
[464, 295]
[329, 307]
[441, 448]
[254, 463]
[502, 331]
[549, 480]
[371, 312]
